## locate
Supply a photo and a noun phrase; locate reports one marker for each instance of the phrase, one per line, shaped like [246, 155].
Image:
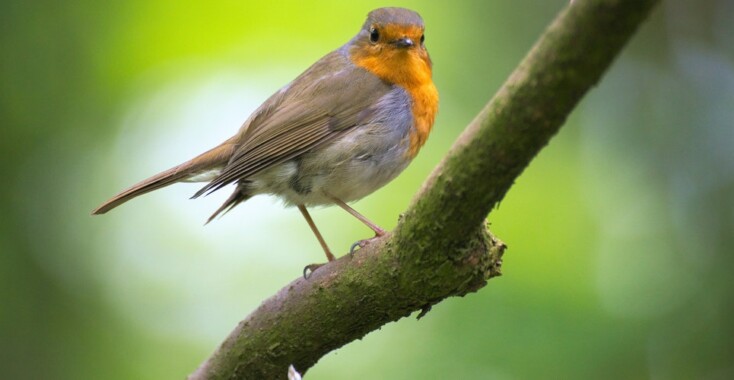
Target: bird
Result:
[342, 129]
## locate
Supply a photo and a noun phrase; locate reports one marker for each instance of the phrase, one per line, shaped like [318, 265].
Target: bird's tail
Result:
[236, 198]
[208, 161]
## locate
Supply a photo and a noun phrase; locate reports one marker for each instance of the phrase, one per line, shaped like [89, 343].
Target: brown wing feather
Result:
[316, 108]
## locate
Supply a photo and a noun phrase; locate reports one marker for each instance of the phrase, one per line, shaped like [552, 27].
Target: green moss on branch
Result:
[343, 302]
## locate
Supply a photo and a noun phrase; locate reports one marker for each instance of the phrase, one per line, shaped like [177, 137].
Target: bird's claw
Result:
[356, 244]
[309, 269]
[361, 244]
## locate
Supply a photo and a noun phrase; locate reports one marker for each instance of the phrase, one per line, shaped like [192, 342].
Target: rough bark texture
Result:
[440, 247]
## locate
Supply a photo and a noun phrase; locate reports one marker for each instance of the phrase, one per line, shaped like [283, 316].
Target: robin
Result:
[342, 129]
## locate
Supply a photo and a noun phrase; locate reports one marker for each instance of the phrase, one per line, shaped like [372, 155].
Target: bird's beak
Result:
[404, 42]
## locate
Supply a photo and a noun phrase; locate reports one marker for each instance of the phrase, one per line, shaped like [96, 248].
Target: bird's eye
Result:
[423, 38]
[374, 35]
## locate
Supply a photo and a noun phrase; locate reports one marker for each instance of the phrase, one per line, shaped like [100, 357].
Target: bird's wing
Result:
[322, 103]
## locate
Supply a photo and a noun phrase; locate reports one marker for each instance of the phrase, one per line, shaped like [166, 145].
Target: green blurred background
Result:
[620, 232]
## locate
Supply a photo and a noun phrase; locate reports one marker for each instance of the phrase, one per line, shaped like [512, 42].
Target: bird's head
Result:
[391, 44]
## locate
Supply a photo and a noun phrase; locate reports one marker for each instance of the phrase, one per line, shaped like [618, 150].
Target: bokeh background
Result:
[620, 232]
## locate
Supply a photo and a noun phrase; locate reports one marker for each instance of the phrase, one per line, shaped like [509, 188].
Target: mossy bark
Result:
[440, 247]
[344, 301]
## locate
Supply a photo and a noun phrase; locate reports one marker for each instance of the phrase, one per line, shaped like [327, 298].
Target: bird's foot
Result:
[361, 244]
[308, 270]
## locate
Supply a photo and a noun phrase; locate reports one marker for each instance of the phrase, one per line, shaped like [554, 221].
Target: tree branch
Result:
[440, 247]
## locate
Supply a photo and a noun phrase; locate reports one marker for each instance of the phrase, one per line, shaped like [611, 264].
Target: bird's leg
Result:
[329, 255]
[378, 231]
[316, 232]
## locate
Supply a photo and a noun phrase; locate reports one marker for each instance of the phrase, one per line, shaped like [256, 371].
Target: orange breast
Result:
[425, 107]
[412, 71]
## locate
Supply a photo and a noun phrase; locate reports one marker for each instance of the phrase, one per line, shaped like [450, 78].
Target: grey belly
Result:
[354, 166]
